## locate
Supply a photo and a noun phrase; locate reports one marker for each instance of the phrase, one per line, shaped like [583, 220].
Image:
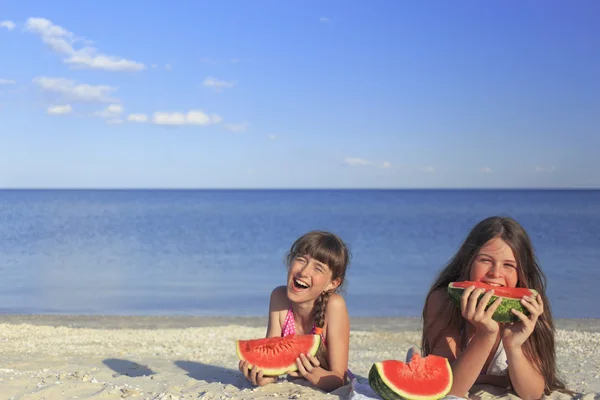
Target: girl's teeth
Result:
[302, 284]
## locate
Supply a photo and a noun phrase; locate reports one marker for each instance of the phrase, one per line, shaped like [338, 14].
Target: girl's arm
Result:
[277, 303]
[467, 367]
[502, 381]
[338, 342]
[527, 381]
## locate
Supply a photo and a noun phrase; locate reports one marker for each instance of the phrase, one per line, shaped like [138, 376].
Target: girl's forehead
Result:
[498, 248]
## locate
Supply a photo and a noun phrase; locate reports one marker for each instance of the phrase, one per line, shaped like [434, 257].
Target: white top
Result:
[499, 364]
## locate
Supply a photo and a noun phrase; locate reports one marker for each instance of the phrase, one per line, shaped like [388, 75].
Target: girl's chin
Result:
[300, 296]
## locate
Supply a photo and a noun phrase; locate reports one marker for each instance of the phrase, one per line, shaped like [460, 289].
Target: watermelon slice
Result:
[511, 298]
[277, 355]
[422, 378]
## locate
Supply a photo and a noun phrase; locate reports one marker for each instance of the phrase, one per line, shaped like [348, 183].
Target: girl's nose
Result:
[495, 270]
[304, 270]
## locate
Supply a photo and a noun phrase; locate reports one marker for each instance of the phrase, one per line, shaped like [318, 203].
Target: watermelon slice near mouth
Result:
[511, 298]
[277, 355]
[422, 378]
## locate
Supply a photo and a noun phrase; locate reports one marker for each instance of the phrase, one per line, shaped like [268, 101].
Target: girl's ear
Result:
[333, 285]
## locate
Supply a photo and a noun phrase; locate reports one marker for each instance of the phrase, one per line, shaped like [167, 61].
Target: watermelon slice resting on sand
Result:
[422, 378]
[277, 355]
[511, 298]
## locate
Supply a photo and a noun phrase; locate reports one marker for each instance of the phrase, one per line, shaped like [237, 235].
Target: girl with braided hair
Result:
[310, 304]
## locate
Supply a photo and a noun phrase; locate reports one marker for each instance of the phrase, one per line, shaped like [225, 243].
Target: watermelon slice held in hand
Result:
[277, 355]
[511, 298]
[422, 378]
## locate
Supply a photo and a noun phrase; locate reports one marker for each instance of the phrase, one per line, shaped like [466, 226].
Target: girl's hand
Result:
[514, 335]
[306, 367]
[474, 311]
[255, 375]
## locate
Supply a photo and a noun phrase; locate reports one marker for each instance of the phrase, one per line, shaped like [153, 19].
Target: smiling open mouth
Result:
[300, 285]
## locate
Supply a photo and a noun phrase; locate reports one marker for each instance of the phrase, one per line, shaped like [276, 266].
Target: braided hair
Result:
[329, 249]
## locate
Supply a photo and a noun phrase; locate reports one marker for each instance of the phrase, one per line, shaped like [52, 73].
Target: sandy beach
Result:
[90, 357]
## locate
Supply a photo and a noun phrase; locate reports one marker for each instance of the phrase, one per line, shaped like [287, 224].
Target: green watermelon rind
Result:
[502, 313]
[379, 386]
[282, 370]
[387, 391]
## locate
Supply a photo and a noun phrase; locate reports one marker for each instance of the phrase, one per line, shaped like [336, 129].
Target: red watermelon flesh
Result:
[422, 378]
[511, 298]
[277, 355]
[502, 291]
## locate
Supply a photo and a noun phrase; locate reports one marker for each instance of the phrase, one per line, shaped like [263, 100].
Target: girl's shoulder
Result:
[437, 299]
[279, 298]
[336, 304]
[439, 309]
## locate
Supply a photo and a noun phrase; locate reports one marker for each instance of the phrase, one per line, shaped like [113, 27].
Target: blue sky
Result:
[299, 94]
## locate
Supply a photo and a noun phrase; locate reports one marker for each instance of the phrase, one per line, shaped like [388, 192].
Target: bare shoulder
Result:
[279, 299]
[437, 300]
[278, 306]
[438, 330]
[336, 304]
[437, 315]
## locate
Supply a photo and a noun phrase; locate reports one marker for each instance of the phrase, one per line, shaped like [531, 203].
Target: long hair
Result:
[540, 346]
[329, 249]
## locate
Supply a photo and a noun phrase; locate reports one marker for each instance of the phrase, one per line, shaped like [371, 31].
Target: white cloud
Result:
[386, 164]
[168, 67]
[114, 121]
[62, 41]
[59, 110]
[217, 84]
[137, 118]
[8, 25]
[356, 162]
[272, 137]
[154, 65]
[70, 90]
[324, 19]
[430, 169]
[112, 111]
[544, 169]
[241, 127]
[487, 170]
[193, 117]
[7, 82]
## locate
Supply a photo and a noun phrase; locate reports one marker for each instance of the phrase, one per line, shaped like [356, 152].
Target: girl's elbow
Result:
[531, 394]
[535, 395]
[330, 383]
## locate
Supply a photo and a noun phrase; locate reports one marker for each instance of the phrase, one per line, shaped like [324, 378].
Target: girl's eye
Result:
[487, 260]
[510, 265]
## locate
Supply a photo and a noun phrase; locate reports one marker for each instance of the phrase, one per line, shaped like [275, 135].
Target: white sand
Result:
[58, 362]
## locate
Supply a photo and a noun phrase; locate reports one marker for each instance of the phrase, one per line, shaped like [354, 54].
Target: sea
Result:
[221, 252]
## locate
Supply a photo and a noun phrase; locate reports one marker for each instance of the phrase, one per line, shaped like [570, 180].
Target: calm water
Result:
[221, 252]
